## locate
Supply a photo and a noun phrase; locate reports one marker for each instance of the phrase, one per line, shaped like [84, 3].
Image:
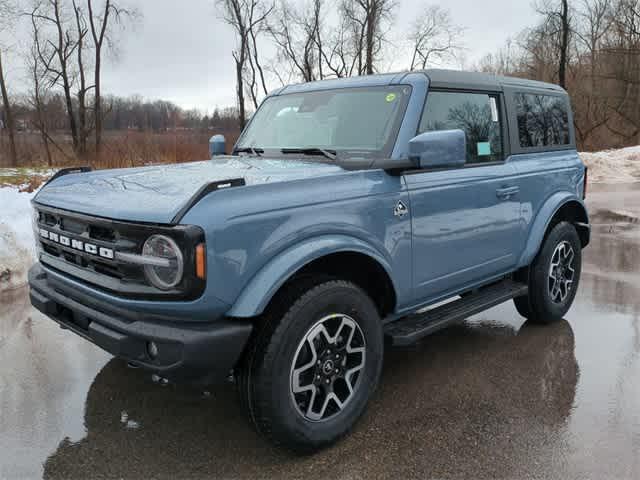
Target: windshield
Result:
[353, 122]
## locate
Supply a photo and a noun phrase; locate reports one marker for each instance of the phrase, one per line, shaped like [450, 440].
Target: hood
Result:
[156, 194]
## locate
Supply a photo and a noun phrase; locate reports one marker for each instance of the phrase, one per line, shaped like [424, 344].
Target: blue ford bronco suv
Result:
[349, 211]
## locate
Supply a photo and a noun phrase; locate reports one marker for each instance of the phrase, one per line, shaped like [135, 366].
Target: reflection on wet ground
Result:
[495, 397]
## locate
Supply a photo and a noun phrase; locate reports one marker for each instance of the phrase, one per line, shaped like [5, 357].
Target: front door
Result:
[465, 220]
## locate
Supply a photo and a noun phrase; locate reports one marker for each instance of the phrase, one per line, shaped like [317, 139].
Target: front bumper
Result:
[201, 353]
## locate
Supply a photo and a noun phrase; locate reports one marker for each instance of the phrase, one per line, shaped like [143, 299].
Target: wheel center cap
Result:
[328, 366]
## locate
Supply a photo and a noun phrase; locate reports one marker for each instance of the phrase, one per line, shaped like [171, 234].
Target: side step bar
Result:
[413, 327]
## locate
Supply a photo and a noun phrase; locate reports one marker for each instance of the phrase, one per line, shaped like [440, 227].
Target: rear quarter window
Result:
[543, 120]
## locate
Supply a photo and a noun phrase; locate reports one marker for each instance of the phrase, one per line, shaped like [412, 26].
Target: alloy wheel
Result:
[327, 367]
[561, 272]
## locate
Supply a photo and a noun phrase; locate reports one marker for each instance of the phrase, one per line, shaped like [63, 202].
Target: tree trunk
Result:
[240, 92]
[13, 155]
[372, 21]
[66, 84]
[82, 92]
[97, 103]
[98, 39]
[42, 125]
[564, 44]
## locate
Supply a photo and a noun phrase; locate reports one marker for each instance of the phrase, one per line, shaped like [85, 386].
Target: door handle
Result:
[507, 192]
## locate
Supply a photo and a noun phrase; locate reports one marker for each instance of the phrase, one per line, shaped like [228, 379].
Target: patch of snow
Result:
[27, 172]
[17, 246]
[613, 166]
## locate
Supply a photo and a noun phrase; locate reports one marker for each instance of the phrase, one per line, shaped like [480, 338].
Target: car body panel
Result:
[264, 285]
[546, 181]
[155, 194]
[541, 223]
[356, 208]
[459, 211]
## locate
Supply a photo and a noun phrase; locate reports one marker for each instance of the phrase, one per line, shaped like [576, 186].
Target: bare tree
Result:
[623, 71]
[557, 25]
[565, 28]
[257, 69]
[101, 24]
[56, 52]
[255, 74]
[83, 125]
[370, 21]
[37, 72]
[504, 62]
[312, 50]
[8, 114]
[6, 12]
[434, 37]
[594, 20]
[341, 49]
[296, 33]
[601, 65]
[243, 16]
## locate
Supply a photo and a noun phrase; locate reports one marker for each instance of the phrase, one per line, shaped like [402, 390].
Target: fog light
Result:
[152, 350]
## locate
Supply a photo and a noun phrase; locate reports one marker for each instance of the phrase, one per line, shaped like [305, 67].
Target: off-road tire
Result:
[538, 305]
[263, 375]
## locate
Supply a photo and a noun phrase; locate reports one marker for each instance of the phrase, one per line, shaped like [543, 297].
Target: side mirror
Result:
[444, 148]
[217, 145]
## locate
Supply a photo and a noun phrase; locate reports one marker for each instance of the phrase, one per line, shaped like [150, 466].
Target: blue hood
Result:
[156, 194]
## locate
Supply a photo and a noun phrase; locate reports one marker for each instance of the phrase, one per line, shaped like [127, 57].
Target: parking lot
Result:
[494, 397]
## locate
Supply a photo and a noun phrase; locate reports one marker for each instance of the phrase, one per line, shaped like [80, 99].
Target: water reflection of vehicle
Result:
[476, 398]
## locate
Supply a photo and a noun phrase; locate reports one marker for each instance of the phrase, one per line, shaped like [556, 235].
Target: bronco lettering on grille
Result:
[77, 244]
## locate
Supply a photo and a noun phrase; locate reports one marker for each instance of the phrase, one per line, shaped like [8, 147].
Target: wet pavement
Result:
[494, 397]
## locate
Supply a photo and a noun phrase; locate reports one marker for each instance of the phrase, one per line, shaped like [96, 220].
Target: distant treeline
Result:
[130, 113]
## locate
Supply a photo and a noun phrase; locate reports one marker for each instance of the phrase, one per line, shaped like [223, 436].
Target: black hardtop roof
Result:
[438, 79]
[476, 80]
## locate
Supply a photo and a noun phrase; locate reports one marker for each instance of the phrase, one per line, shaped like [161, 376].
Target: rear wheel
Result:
[553, 276]
[312, 366]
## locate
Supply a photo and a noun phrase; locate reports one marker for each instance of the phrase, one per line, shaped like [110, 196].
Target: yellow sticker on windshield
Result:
[391, 97]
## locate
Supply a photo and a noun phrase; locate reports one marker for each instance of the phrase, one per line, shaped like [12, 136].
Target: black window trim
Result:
[510, 91]
[504, 124]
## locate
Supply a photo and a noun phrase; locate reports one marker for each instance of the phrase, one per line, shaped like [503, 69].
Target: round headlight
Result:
[165, 272]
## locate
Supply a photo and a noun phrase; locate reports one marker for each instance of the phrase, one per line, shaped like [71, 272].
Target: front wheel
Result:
[553, 276]
[313, 366]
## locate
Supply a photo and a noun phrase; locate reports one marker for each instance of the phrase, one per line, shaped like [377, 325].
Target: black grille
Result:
[82, 229]
[104, 235]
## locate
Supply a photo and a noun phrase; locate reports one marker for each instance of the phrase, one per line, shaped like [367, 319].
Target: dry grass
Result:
[127, 148]
[26, 179]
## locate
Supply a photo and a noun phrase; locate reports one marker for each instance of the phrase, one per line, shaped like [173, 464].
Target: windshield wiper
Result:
[253, 150]
[330, 154]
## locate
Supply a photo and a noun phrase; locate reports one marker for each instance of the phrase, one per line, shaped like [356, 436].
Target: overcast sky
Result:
[181, 50]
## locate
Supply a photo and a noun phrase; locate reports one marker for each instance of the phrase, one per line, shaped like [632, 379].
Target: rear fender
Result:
[543, 220]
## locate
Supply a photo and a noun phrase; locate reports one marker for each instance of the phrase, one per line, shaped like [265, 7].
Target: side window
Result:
[477, 114]
[543, 120]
